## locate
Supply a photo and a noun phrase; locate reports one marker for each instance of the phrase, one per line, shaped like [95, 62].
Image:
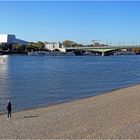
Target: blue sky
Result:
[81, 21]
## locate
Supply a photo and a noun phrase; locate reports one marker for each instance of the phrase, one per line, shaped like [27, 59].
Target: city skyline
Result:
[81, 21]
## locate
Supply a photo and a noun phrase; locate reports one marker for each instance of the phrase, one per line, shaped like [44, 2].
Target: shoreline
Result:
[73, 100]
[115, 114]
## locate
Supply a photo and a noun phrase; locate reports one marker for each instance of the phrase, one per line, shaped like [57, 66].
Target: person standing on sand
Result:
[9, 109]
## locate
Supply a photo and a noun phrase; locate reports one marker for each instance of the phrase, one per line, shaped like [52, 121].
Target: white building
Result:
[53, 46]
[11, 39]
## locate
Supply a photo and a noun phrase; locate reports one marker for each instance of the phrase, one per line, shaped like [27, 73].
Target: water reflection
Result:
[4, 82]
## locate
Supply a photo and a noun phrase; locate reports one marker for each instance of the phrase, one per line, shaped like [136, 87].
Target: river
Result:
[34, 81]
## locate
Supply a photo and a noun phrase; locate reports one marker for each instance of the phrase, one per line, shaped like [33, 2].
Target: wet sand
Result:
[112, 115]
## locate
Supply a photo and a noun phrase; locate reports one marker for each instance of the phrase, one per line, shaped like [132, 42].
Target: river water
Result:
[34, 81]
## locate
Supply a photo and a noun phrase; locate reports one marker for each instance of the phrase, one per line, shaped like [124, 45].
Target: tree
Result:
[136, 50]
[40, 45]
[18, 48]
[36, 46]
[3, 46]
[69, 43]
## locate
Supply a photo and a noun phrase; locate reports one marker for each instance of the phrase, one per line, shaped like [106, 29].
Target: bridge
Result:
[101, 50]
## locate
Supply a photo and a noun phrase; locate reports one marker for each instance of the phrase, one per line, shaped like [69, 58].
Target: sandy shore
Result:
[112, 115]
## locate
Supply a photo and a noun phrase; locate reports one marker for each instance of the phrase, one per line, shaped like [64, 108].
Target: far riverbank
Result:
[112, 115]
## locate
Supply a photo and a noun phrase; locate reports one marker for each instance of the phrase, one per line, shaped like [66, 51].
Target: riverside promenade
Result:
[114, 115]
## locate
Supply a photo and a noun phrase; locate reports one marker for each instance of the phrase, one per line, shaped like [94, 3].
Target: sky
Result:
[80, 21]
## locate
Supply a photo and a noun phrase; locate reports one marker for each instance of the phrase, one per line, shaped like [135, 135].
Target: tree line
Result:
[18, 48]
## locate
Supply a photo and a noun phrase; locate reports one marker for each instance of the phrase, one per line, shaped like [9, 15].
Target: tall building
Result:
[11, 39]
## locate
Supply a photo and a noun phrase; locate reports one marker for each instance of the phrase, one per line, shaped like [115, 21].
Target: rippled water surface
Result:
[31, 81]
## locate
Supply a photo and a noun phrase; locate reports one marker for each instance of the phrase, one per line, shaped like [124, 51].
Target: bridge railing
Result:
[109, 47]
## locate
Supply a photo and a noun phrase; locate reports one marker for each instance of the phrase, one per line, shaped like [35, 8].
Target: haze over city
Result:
[80, 21]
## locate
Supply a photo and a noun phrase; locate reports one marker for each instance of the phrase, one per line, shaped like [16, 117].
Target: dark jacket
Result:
[9, 107]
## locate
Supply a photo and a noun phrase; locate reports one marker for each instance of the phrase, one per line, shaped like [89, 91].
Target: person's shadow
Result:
[26, 117]
[31, 116]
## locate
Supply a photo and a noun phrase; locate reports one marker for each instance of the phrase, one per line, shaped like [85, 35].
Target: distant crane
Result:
[94, 41]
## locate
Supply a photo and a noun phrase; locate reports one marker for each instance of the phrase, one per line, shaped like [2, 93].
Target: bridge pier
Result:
[103, 54]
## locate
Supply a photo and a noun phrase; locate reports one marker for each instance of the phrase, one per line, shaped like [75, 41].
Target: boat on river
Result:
[88, 53]
[36, 53]
[125, 53]
[43, 53]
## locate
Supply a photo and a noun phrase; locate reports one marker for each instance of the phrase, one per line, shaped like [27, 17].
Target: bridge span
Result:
[102, 50]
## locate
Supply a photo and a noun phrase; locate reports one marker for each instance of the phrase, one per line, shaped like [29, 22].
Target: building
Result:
[11, 39]
[54, 46]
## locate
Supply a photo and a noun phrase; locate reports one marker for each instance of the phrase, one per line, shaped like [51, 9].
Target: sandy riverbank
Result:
[112, 115]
